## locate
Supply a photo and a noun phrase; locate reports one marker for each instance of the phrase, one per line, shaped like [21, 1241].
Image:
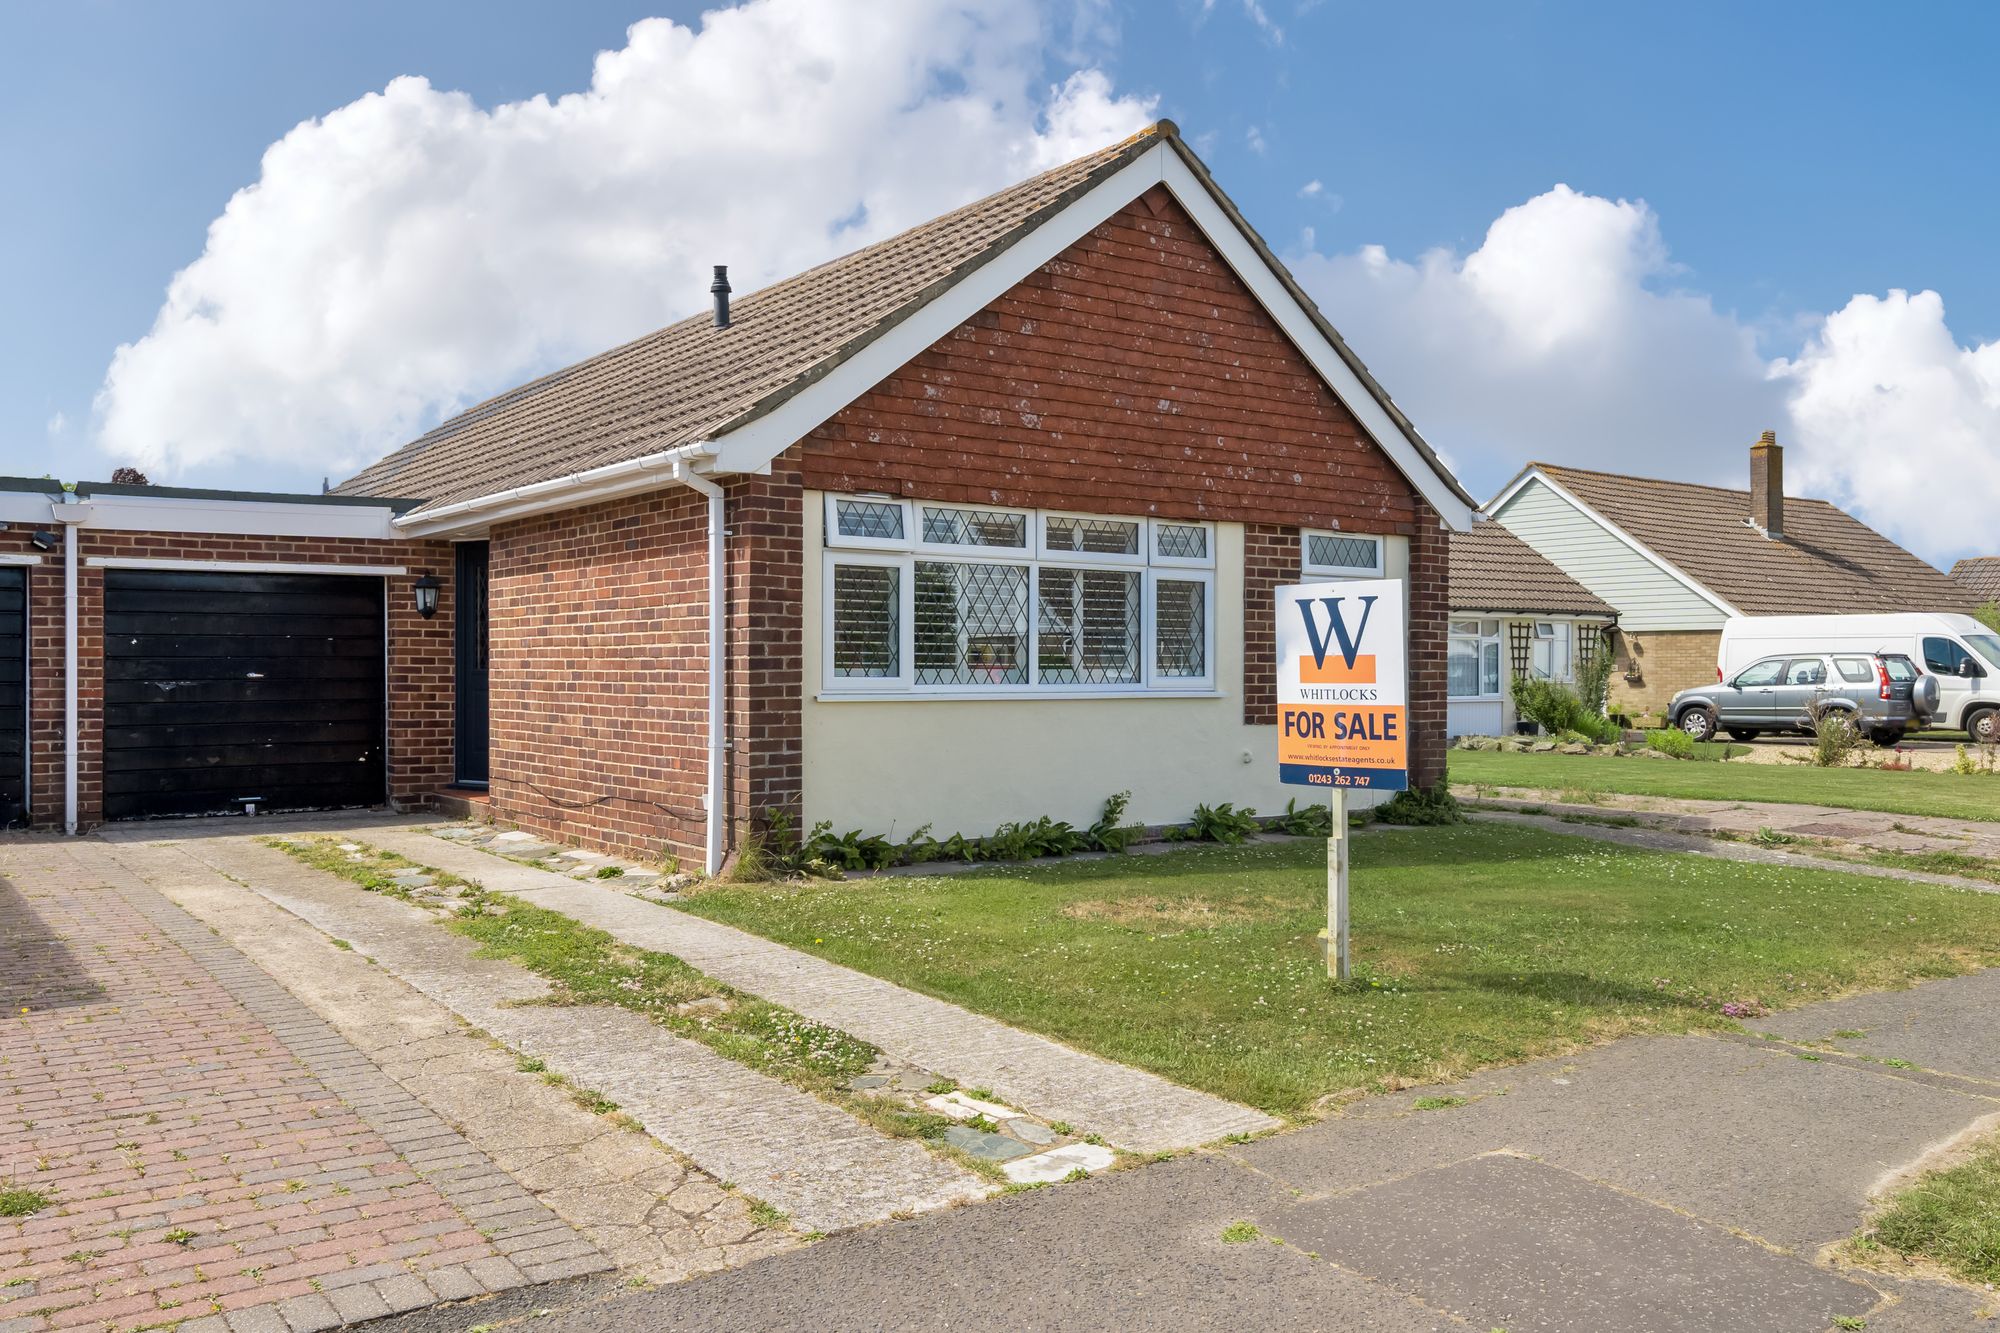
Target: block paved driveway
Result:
[213, 1151]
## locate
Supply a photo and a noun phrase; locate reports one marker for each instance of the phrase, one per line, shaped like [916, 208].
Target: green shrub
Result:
[1988, 614]
[1835, 737]
[1558, 708]
[1110, 833]
[1310, 821]
[1219, 823]
[1421, 805]
[1671, 741]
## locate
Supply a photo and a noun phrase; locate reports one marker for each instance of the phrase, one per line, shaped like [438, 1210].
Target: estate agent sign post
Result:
[1343, 711]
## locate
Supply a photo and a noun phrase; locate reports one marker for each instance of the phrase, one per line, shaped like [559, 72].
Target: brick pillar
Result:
[1430, 614]
[766, 660]
[1270, 559]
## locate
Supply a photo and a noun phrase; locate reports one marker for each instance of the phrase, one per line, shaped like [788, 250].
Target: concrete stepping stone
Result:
[1029, 1131]
[981, 1144]
[1046, 1168]
[960, 1106]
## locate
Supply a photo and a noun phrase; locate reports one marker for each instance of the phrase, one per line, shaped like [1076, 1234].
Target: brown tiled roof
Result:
[1827, 561]
[1980, 574]
[1493, 570]
[692, 381]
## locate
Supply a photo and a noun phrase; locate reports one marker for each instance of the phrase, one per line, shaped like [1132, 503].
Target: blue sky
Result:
[1790, 162]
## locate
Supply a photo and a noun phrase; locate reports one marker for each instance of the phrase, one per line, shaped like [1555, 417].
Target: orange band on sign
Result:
[1335, 671]
[1342, 736]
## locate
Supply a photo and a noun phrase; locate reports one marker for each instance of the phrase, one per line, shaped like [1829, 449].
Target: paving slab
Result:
[1952, 1026]
[797, 1152]
[1129, 1107]
[1503, 1242]
[1779, 1147]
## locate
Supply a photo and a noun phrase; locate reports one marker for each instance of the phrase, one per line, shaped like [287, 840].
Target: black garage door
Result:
[13, 694]
[225, 688]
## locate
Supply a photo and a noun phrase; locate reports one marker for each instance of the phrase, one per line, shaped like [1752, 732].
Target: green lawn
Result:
[1914, 793]
[1476, 944]
[1951, 1217]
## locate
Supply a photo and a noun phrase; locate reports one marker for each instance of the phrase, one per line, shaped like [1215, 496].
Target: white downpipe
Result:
[70, 655]
[712, 854]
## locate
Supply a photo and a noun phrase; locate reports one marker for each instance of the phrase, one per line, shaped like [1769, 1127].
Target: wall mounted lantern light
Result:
[427, 595]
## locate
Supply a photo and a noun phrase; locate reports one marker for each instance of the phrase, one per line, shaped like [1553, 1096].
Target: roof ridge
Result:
[1691, 485]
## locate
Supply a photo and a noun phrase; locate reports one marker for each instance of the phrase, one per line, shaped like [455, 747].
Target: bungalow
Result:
[976, 524]
[1980, 577]
[1675, 560]
[1514, 616]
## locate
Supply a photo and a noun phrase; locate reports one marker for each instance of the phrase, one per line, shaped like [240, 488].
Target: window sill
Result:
[995, 697]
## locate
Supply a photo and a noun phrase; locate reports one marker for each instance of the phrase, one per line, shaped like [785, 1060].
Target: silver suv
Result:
[1883, 693]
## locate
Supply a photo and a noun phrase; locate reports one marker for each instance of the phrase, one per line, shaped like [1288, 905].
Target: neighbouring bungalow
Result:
[1674, 560]
[1979, 575]
[976, 524]
[1514, 616]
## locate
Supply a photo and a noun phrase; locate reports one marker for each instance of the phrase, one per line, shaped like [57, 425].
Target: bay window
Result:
[960, 600]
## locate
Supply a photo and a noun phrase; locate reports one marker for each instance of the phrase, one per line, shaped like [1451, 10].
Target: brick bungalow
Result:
[976, 524]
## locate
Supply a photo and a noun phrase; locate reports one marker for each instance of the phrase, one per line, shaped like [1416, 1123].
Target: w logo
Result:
[1350, 645]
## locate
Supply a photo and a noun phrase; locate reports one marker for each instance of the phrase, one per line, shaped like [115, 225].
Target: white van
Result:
[1963, 654]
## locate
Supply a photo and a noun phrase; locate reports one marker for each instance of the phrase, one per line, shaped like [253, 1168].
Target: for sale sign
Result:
[1343, 711]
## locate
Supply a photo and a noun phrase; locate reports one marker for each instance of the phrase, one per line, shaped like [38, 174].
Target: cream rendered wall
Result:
[968, 766]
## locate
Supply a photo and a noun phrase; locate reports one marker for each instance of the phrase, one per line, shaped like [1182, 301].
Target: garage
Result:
[227, 689]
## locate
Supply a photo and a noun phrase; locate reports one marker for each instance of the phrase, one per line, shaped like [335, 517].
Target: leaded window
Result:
[964, 600]
[1341, 553]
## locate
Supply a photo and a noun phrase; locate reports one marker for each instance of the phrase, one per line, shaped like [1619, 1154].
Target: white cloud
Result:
[1311, 189]
[412, 251]
[1566, 336]
[1254, 138]
[57, 424]
[1255, 13]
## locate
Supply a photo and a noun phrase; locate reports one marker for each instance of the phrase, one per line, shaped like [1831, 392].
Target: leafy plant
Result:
[22, 1203]
[1222, 823]
[1422, 805]
[1988, 614]
[1835, 737]
[1110, 833]
[1312, 821]
[1558, 708]
[1671, 741]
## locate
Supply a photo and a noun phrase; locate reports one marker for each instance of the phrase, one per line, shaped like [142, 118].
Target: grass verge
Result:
[1475, 945]
[1949, 1217]
[1918, 792]
[587, 966]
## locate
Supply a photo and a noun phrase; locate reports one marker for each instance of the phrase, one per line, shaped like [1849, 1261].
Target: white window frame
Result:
[1133, 560]
[1479, 641]
[1307, 567]
[1176, 573]
[834, 536]
[906, 624]
[1159, 561]
[913, 524]
[1567, 637]
[904, 556]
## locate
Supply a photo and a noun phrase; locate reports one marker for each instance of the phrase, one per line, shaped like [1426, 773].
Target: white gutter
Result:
[634, 474]
[72, 516]
[712, 798]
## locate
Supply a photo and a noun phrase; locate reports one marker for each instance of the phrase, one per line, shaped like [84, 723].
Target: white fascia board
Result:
[244, 566]
[1640, 548]
[754, 446]
[28, 507]
[1270, 292]
[631, 477]
[239, 518]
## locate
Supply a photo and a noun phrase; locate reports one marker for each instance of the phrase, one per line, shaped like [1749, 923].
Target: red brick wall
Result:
[1270, 558]
[420, 654]
[1430, 615]
[599, 673]
[1133, 374]
[766, 659]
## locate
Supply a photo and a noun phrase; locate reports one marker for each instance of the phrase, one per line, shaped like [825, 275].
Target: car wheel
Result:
[1698, 723]
[1984, 726]
[1886, 737]
[1742, 734]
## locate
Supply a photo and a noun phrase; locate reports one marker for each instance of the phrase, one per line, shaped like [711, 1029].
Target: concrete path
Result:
[1655, 1185]
[818, 1164]
[1129, 1107]
[1656, 839]
[658, 1217]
